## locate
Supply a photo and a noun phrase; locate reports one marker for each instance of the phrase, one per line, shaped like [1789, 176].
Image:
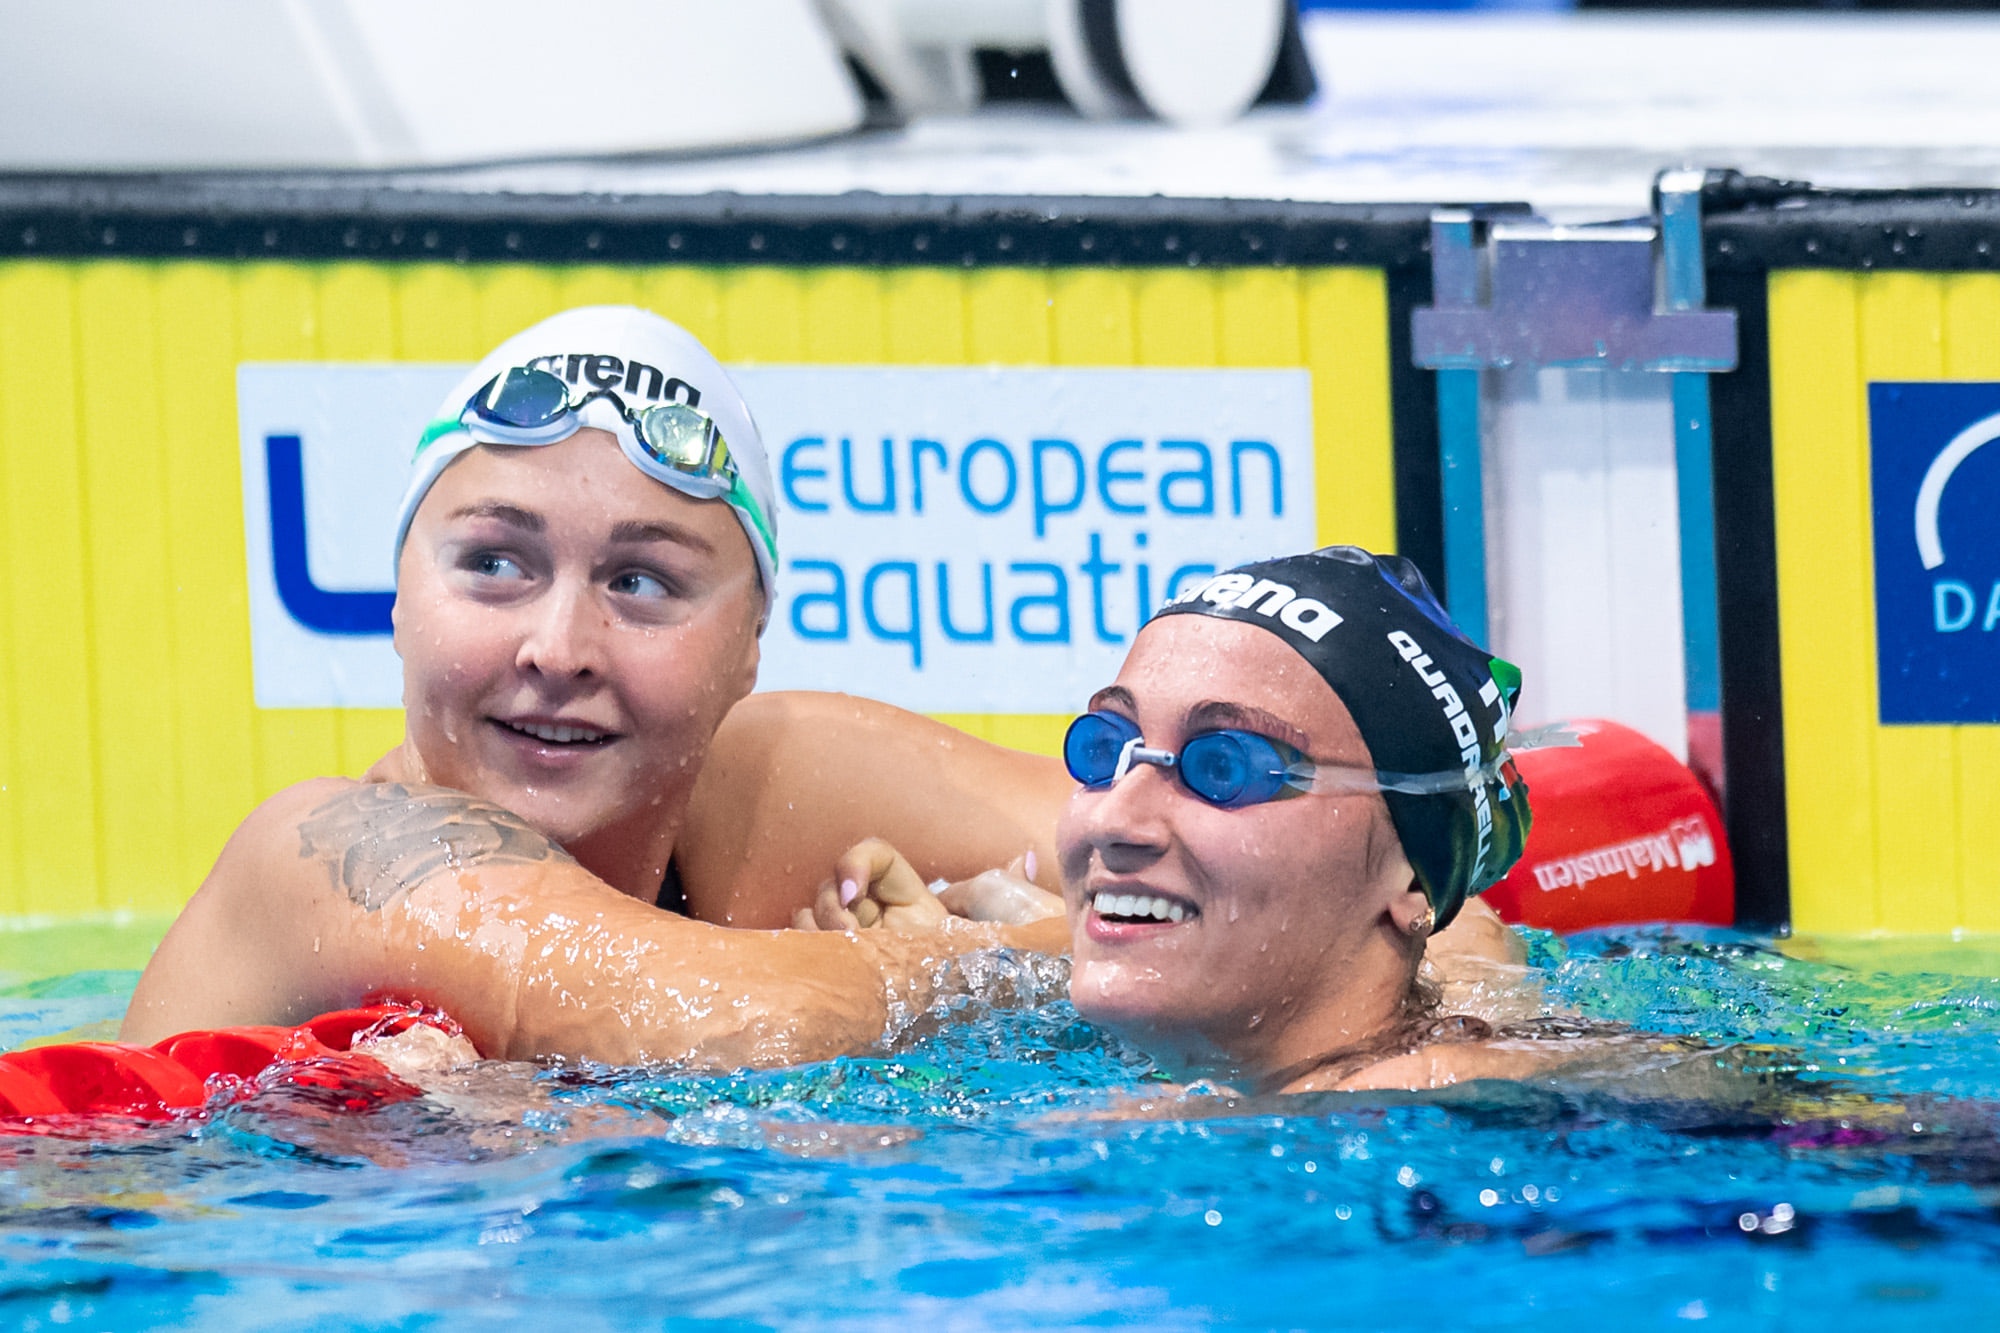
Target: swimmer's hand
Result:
[1010, 896]
[873, 886]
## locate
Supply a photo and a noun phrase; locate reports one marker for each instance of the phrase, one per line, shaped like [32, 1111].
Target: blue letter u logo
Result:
[311, 605]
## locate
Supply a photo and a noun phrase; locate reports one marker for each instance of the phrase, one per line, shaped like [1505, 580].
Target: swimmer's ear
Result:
[396, 626]
[396, 609]
[1411, 911]
[747, 677]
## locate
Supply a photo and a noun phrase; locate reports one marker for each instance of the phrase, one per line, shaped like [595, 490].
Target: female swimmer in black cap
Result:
[1300, 774]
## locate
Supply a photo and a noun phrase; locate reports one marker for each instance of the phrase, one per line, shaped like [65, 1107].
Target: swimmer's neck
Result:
[632, 857]
[1363, 999]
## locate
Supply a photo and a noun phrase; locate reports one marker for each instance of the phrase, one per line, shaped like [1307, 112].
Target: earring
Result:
[1421, 925]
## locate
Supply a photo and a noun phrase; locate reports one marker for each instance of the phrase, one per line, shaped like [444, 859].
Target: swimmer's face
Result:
[1292, 911]
[572, 633]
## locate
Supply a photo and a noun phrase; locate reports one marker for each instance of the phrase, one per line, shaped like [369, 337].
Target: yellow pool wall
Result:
[1891, 828]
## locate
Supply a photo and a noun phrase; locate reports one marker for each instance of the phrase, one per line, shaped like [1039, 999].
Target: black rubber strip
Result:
[1413, 415]
[1753, 702]
[385, 217]
[1755, 224]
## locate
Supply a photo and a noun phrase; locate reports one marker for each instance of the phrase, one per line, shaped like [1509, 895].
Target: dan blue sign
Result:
[1935, 462]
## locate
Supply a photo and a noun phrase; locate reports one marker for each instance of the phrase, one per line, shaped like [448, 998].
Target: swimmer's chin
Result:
[1123, 996]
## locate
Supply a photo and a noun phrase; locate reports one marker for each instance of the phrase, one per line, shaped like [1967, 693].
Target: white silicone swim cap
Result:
[643, 359]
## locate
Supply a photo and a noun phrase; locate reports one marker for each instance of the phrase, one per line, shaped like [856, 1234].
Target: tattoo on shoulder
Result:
[378, 840]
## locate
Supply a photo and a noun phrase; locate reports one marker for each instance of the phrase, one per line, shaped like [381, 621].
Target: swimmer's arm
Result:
[335, 890]
[794, 779]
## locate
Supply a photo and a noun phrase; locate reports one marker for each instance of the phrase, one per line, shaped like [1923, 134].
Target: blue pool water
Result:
[1840, 1168]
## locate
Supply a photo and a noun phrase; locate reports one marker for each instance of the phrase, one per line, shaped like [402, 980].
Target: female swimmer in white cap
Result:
[585, 559]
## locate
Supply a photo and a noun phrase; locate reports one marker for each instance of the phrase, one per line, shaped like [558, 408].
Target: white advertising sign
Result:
[326, 451]
[953, 540]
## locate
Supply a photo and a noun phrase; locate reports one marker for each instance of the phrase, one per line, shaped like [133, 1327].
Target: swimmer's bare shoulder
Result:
[1435, 1066]
[332, 890]
[795, 778]
[300, 866]
[1444, 1064]
[1475, 935]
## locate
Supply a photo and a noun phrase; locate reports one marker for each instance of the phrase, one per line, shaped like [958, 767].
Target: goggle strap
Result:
[434, 432]
[746, 503]
[1549, 736]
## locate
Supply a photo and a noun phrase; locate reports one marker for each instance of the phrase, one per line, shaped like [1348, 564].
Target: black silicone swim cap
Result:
[1432, 706]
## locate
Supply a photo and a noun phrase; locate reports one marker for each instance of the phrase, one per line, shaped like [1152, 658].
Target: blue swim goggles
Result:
[1232, 769]
[1227, 768]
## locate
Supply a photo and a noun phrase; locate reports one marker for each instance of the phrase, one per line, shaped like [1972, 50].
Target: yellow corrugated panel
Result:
[1972, 351]
[1259, 318]
[52, 788]
[10, 703]
[595, 284]
[1346, 332]
[1178, 322]
[358, 322]
[1007, 317]
[925, 313]
[123, 599]
[690, 297]
[763, 317]
[211, 611]
[845, 317]
[1886, 823]
[278, 319]
[1095, 316]
[487, 305]
[440, 314]
[131, 668]
[1916, 848]
[1819, 451]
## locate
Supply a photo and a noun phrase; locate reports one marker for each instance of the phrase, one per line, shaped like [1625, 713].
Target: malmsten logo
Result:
[1306, 615]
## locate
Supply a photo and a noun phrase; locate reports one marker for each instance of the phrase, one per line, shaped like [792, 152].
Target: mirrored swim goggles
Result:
[675, 444]
[1232, 769]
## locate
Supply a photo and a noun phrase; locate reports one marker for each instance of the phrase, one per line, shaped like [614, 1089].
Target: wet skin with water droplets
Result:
[382, 839]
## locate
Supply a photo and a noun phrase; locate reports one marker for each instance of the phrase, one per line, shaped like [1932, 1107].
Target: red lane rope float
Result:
[1623, 833]
[102, 1077]
[49, 1088]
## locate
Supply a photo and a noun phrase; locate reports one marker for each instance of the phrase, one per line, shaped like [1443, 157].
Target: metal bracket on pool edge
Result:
[1585, 298]
[1578, 297]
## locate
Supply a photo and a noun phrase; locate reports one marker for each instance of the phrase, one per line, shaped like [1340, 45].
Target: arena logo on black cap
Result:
[1304, 615]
